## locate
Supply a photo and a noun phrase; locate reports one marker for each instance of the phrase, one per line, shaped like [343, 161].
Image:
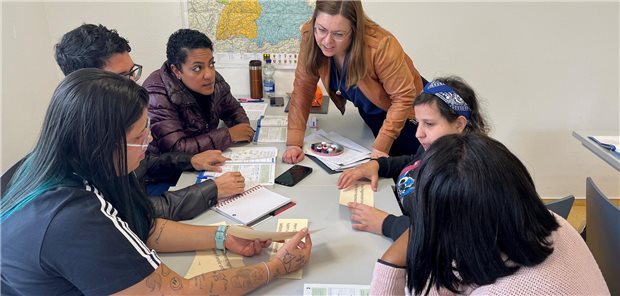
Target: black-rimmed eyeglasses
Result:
[135, 72]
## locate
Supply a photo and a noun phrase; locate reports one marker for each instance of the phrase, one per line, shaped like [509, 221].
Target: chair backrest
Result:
[562, 206]
[603, 238]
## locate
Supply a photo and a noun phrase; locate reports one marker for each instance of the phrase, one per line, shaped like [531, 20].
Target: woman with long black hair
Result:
[75, 222]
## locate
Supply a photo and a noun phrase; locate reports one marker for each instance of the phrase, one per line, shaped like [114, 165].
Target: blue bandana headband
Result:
[449, 96]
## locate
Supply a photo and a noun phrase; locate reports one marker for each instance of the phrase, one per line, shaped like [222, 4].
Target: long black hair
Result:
[477, 216]
[84, 135]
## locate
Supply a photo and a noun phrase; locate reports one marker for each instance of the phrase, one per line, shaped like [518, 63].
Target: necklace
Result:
[339, 81]
[339, 75]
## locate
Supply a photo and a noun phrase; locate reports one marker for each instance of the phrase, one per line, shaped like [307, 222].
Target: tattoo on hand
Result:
[292, 262]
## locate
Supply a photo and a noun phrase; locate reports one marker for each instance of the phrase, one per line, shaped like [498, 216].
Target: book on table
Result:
[252, 205]
[256, 164]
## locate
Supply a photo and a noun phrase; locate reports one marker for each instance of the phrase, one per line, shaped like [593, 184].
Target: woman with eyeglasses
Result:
[74, 224]
[361, 62]
[188, 98]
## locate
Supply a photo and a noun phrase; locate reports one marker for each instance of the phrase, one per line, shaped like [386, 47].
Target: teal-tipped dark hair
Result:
[84, 135]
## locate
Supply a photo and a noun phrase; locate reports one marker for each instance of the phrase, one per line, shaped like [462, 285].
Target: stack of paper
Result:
[353, 154]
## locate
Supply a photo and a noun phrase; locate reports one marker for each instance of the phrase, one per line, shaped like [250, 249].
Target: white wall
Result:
[542, 69]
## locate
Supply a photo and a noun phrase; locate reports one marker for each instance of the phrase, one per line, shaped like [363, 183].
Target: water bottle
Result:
[269, 85]
[256, 79]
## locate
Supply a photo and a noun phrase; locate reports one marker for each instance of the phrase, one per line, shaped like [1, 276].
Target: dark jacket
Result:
[177, 121]
[183, 204]
[393, 226]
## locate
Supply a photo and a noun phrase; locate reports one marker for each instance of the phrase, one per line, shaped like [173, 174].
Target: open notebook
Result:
[251, 205]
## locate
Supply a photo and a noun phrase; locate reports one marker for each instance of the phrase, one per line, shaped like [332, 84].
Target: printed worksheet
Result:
[256, 164]
[358, 192]
[287, 225]
[336, 290]
[251, 154]
[254, 110]
[270, 134]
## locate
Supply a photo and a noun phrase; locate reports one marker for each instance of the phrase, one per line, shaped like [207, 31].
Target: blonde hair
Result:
[354, 12]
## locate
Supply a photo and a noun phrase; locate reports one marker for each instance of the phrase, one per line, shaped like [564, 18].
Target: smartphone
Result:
[293, 175]
[276, 101]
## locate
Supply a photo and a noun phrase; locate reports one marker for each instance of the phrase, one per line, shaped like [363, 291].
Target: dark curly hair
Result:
[181, 42]
[88, 46]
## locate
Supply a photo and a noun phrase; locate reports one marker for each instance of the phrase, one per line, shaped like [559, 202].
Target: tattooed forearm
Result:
[161, 229]
[219, 282]
[165, 271]
[200, 282]
[176, 284]
[249, 278]
[231, 281]
[153, 282]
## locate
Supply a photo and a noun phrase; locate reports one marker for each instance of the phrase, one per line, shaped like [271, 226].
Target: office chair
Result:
[562, 206]
[603, 237]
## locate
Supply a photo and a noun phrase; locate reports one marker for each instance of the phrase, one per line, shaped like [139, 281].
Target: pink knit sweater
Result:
[569, 270]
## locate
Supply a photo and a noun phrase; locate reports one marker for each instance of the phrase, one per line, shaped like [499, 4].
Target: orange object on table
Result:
[318, 97]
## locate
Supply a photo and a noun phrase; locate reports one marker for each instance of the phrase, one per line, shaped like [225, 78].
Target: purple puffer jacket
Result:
[177, 123]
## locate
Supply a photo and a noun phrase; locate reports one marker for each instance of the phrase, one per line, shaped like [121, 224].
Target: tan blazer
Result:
[391, 83]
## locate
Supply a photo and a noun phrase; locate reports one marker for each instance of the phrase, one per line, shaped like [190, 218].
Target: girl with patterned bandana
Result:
[445, 106]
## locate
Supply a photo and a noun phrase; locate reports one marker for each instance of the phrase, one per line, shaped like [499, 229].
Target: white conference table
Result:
[610, 157]
[340, 255]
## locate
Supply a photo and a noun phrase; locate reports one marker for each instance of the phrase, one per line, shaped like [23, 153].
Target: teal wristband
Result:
[220, 237]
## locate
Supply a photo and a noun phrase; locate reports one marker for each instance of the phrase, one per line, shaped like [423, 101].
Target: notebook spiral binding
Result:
[238, 196]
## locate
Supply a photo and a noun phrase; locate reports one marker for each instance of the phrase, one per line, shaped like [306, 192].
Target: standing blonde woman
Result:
[359, 61]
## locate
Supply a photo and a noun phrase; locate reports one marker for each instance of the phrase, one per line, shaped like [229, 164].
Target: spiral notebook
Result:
[251, 205]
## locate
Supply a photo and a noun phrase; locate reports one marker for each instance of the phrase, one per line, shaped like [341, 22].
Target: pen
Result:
[250, 100]
[203, 177]
[606, 146]
[283, 208]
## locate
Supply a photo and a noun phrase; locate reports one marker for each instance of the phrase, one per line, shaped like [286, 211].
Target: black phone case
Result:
[279, 180]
